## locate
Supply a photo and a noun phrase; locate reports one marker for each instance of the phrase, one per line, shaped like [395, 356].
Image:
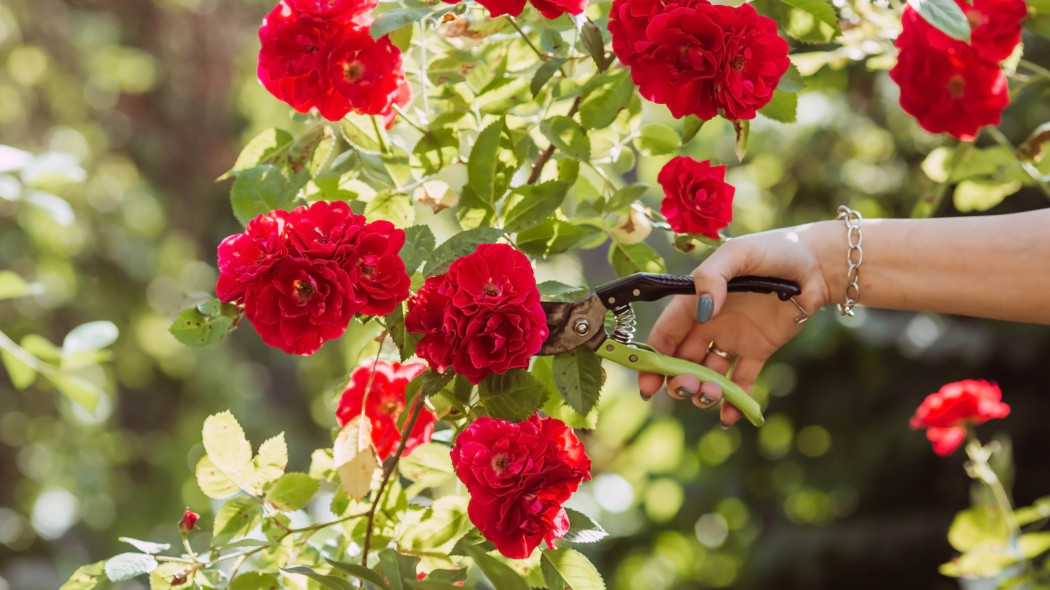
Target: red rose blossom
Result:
[550, 9]
[302, 275]
[314, 55]
[946, 85]
[383, 401]
[697, 200]
[947, 414]
[995, 26]
[483, 316]
[518, 477]
[698, 58]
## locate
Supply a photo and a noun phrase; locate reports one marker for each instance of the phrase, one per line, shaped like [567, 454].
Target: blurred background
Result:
[127, 112]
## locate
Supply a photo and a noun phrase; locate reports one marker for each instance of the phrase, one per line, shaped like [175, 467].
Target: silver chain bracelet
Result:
[855, 257]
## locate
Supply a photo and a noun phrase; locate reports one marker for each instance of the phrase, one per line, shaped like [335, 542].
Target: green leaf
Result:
[392, 20]
[264, 148]
[532, 204]
[628, 259]
[292, 491]
[78, 389]
[578, 376]
[591, 36]
[260, 190]
[254, 581]
[87, 577]
[543, 74]
[691, 125]
[129, 565]
[213, 482]
[792, 81]
[655, 139]
[161, 577]
[361, 573]
[225, 443]
[393, 207]
[419, 244]
[325, 580]
[12, 285]
[783, 107]
[513, 396]
[437, 149]
[484, 164]
[429, 465]
[604, 96]
[976, 527]
[397, 568]
[554, 236]
[146, 546]
[22, 374]
[945, 15]
[625, 197]
[200, 325]
[498, 573]
[565, 568]
[1034, 544]
[1039, 510]
[982, 195]
[236, 518]
[89, 337]
[457, 246]
[362, 132]
[439, 527]
[558, 291]
[582, 529]
[568, 137]
[820, 10]
[267, 465]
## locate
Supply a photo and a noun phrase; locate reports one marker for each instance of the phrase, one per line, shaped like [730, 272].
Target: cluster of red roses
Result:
[698, 58]
[518, 476]
[947, 414]
[953, 86]
[550, 9]
[377, 390]
[697, 199]
[301, 275]
[320, 54]
[483, 316]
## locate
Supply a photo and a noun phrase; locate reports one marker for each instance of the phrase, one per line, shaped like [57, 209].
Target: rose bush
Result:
[426, 233]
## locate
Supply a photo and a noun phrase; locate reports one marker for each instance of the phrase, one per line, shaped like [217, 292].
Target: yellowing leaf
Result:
[355, 458]
[267, 465]
[213, 482]
[226, 445]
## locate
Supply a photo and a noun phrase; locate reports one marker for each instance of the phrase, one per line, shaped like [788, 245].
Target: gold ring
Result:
[713, 349]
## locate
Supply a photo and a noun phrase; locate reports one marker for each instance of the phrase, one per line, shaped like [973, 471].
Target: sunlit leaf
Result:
[89, 337]
[87, 577]
[12, 285]
[204, 324]
[821, 10]
[582, 529]
[429, 465]
[267, 465]
[292, 491]
[567, 136]
[264, 148]
[213, 482]
[355, 458]
[397, 568]
[236, 518]
[21, 372]
[483, 168]
[259, 190]
[419, 245]
[254, 581]
[361, 572]
[655, 139]
[604, 96]
[225, 443]
[628, 259]
[501, 575]
[129, 565]
[543, 74]
[325, 580]
[565, 568]
[439, 526]
[783, 107]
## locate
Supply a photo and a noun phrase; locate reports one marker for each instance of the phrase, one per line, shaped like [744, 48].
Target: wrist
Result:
[828, 243]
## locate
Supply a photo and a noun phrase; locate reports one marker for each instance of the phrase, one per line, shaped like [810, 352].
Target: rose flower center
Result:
[490, 289]
[353, 71]
[955, 86]
[500, 462]
[304, 290]
[738, 63]
[390, 407]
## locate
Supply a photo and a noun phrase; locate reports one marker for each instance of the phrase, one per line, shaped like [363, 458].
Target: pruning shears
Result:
[582, 323]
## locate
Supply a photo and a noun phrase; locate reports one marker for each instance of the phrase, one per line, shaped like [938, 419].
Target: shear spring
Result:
[626, 322]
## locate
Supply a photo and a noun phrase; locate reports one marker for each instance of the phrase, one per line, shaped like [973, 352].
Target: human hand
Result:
[749, 326]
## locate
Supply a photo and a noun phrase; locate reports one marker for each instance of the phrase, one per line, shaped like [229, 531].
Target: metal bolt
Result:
[633, 358]
[582, 327]
[612, 300]
[609, 347]
[637, 292]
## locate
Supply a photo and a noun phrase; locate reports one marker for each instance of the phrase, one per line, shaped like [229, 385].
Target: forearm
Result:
[989, 266]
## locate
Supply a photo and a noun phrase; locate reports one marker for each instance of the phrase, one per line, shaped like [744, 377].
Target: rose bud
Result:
[632, 228]
[188, 521]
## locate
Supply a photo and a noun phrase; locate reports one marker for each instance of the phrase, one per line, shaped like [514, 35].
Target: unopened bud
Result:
[178, 579]
[632, 228]
[188, 521]
[436, 195]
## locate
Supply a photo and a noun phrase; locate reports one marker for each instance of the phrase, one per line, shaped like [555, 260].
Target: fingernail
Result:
[642, 393]
[725, 426]
[685, 392]
[704, 308]
[706, 401]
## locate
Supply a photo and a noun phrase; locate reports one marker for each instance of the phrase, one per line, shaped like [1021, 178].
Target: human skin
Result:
[995, 266]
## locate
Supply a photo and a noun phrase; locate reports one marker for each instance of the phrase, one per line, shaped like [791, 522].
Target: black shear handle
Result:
[646, 286]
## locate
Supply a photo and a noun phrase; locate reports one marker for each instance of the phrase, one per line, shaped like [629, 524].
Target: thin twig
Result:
[537, 169]
[404, 117]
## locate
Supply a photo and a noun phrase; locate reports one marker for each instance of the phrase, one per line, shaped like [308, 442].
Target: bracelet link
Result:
[854, 256]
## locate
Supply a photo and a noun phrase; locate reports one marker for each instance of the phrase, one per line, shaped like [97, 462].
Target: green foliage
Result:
[945, 15]
[578, 375]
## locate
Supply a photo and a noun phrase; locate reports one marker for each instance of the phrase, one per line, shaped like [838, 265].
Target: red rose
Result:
[995, 26]
[550, 9]
[697, 200]
[699, 58]
[518, 477]
[302, 275]
[382, 401]
[483, 316]
[301, 305]
[188, 521]
[315, 56]
[947, 86]
[947, 414]
[754, 60]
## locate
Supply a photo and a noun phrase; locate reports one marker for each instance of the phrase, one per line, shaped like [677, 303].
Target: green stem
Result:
[407, 119]
[928, 205]
[528, 42]
[1032, 171]
[417, 409]
[985, 473]
[1034, 67]
[537, 169]
[379, 135]
[319, 526]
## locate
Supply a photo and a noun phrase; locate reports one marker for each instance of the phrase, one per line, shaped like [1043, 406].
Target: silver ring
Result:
[713, 349]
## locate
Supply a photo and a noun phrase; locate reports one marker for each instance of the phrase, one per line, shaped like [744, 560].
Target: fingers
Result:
[744, 375]
[711, 278]
[670, 329]
[704, 395]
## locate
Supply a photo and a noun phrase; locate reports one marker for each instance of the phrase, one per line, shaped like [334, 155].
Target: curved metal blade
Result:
[570, 325]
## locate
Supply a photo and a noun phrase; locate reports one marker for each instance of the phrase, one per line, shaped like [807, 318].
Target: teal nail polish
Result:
[685, 392]
[704, 308]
